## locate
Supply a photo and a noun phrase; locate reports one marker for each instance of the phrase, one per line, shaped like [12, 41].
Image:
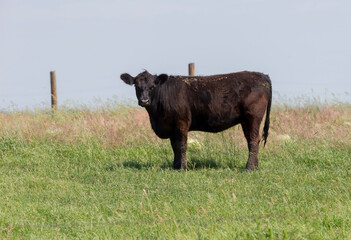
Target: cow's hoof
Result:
[177, 167]
[251, 167]
[180, 168]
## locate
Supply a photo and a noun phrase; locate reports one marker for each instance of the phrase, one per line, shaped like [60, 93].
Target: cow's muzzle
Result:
[144, 102]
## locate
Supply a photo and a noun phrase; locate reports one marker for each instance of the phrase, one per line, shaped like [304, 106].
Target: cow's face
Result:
[145, 85]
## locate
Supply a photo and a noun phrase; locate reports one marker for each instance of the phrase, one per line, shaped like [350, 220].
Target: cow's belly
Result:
[214, 123]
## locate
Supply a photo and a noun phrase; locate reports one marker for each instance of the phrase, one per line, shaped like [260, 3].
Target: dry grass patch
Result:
[312, 123]
[126, 125]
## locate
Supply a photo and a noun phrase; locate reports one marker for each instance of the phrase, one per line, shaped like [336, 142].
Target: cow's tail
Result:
[268, 111]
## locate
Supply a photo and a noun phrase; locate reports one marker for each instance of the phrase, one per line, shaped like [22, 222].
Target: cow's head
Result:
[145, 85]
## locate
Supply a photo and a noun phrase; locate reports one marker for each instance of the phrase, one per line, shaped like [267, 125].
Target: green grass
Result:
[76, 183]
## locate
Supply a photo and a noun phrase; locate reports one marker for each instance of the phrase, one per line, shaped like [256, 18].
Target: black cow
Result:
[179, 104]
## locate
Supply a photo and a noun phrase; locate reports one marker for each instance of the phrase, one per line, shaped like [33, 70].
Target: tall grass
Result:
[103, 174]
[125, 125]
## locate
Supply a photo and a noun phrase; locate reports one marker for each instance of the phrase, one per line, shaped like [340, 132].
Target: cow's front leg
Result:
[179, 145]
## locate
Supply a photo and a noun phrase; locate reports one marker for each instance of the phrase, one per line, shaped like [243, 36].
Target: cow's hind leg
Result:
[251, 128]
[254, 113]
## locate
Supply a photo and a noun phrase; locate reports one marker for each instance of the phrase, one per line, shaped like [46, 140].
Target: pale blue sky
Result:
[301, 44]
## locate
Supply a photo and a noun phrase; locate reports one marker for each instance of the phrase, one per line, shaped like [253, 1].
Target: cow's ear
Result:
[127, 78]
[161, 78]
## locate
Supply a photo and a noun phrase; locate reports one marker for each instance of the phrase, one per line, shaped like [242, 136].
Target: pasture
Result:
[103, 174]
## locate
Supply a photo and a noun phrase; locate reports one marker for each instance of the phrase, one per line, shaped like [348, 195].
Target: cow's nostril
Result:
[144, 102]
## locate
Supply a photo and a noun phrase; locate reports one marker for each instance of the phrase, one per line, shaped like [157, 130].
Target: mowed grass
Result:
[103, 174]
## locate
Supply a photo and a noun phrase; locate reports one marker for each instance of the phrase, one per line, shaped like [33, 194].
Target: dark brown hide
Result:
[179, 104]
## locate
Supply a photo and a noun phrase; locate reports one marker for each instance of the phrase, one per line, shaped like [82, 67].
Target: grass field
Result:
[103, 174]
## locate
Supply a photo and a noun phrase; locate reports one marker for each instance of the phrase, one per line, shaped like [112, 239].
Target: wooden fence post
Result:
[53, 90]
[191, 69]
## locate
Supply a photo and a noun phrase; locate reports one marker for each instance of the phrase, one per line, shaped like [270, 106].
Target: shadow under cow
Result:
[194, 163]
